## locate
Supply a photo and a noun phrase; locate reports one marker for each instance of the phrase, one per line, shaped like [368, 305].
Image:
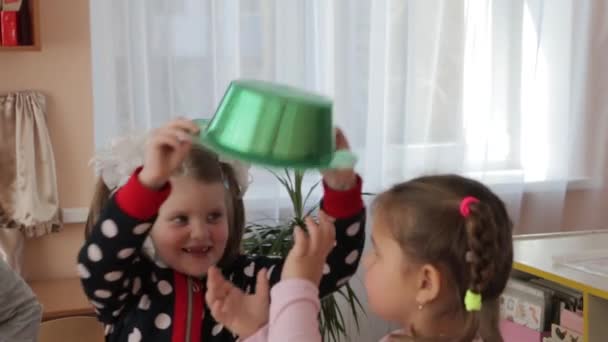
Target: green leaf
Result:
[310, 191]
[282, 180]
[340, 321]
[298, 205]
[353, 302]
[277, 239]
[288, 177]
[311, 210]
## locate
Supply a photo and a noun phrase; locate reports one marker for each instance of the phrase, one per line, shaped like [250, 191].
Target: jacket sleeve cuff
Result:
[343, 204]
[139, 202]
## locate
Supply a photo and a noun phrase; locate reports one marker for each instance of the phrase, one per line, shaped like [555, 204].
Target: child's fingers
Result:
[179, 142]
[169, 140]
[217, 286]
[214, 276]
[300, 247]
[213, 285]
[332, 237]
[233, 302]
[315, 236]
[181, 135]
[323, 216]
[329, 229]
[325, 225]
[214, 271]
[165, 139]
[225, 288]
[217, 313]
[210, 297]
[262, 288]
[184, 125]
[173, 135]
[341, 141]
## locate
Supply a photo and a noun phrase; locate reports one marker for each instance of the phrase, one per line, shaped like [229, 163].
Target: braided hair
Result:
[473, 250]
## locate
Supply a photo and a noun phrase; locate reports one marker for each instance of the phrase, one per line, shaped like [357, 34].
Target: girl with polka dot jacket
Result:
[150, 243]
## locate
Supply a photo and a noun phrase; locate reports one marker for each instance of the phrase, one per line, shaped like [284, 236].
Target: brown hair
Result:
[205, 166]
[475, 253]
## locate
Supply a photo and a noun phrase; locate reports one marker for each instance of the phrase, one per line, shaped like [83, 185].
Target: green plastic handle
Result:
[343, 159]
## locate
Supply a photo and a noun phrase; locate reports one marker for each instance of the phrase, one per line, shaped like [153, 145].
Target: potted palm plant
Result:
[277, 240]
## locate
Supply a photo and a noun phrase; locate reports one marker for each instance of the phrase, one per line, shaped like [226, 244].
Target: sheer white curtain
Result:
[495, 90]
[505, 91]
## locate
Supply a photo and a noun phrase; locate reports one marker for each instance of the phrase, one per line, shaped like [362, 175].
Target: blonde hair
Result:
[474, 252]
[203, 165]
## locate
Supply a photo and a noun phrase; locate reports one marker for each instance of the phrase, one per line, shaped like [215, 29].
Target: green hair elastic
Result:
[472, 301]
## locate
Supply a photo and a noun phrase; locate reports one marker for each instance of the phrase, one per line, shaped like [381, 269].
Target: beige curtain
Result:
[28, 184]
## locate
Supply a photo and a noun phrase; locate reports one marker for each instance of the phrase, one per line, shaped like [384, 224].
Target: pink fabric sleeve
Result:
[259, 336]
[293, 313]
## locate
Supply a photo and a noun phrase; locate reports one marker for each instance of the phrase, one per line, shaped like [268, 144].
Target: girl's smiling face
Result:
[191, 231]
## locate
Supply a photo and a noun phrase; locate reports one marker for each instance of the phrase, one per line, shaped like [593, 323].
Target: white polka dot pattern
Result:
[353, 229]
[342, 281]
[164, 287]
[269, 274]
[116, 313]
[217, 329]
[136, 285]
[83, 272]
[102, 294]
[109, 228]
[125, 253]
[326, 269]
[144, 302]
[97, 304]
[94, 253]
[161, 264]
[113, 276]
[162, 321]
[141, 228]
[352, 257]
[135, 336]
[108, 329]
[249, 270]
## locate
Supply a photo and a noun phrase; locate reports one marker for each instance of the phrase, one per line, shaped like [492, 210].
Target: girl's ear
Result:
[428, 284]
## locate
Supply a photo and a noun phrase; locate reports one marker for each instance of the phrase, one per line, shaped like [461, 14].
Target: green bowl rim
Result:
[280, 91]
[249, 158]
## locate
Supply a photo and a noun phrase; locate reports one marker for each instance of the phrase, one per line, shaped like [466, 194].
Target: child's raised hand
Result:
[307, 257]
[340, 179]
[241, 313]
[166, 149]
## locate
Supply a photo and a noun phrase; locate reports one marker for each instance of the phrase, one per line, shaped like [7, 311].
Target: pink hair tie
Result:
[464, 205]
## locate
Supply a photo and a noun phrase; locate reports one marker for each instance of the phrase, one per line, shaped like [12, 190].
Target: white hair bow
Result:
[116, 162]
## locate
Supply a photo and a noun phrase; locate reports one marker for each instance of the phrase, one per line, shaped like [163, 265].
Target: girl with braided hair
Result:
[442, 255]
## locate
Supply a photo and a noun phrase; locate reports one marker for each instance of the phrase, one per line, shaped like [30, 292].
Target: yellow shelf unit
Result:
[534, 256]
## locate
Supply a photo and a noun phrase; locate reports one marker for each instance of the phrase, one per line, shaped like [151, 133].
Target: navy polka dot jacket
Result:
[138, 299]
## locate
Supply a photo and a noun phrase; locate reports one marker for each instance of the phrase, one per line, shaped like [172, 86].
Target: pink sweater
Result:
[293, 314]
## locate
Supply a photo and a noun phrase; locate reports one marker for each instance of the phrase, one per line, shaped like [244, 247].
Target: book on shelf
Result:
[527, 304]
[15, 23]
